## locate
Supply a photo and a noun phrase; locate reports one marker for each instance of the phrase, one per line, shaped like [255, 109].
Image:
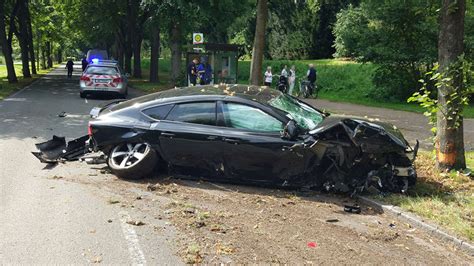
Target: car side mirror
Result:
[290, 131]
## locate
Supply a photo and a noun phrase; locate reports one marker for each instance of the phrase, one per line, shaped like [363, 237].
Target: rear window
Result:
[101, 70]
[158, 112]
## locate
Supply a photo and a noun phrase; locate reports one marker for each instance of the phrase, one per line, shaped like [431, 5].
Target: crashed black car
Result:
[243, 134]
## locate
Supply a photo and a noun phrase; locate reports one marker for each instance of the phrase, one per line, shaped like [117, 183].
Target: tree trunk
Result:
[137, 48]
[175, 47]
[6, 46]
[22, 35]
[259, 43]
[155, 52]
[43, 57]
[48, 55]
[59, 56]
[450, 139]
[31, 47]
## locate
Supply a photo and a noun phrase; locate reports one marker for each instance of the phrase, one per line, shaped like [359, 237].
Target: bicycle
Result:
[308, 89]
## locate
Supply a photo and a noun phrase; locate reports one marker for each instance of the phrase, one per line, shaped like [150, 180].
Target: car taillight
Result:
[85, 78]
[117, 80]
[89, 130]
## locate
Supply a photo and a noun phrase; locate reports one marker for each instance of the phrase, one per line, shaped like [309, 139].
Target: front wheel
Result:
[132, 161]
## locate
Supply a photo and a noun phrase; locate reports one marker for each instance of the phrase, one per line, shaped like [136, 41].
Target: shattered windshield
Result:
[304, 115]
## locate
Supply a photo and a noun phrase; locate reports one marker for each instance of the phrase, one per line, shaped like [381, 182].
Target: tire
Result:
[134, 167]
[82, 94]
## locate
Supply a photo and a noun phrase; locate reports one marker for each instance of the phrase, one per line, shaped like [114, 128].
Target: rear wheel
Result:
[132, 160]
[82, 94]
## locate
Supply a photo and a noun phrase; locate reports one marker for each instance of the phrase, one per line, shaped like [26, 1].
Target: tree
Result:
[155, 49]
[6, 43]
[450, 139]
[259, 43]
[21, 31]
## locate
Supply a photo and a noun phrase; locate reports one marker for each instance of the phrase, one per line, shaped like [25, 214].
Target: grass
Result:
[7, 89]
[445, 198]
[338, 80]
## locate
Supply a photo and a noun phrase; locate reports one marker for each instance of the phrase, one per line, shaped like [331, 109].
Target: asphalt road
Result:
[44, 219]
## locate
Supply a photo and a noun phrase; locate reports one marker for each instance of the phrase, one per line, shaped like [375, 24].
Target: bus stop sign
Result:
[198, 38]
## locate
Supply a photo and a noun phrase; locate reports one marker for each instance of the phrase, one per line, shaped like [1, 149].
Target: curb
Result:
[418, 222]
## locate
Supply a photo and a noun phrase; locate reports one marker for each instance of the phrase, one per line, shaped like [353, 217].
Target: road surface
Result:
[44, 219]
[77, 214]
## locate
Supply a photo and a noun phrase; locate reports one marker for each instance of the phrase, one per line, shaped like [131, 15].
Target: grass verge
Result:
[7, 89]
[444, 198]
[338, 80]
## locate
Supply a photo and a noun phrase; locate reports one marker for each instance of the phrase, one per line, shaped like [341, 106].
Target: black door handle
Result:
[167, 134]
[232, 140]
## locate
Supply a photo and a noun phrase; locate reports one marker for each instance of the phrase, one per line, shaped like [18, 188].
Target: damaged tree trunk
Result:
[450, 139]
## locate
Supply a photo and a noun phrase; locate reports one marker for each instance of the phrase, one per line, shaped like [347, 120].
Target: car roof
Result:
[261, 94]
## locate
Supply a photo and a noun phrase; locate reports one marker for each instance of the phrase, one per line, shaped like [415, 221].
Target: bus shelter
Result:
[223, 59]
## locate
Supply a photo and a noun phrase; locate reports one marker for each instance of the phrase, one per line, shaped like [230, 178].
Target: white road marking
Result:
[85, 99]
[136, 254]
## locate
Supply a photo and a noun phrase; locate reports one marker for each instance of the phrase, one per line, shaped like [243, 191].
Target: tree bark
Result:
[137, 48]
[22, 35]
[49, 51]
[6, 46]
[175, 47]
[450, 138]
[259, 43]
[155, 52]
[30, 41]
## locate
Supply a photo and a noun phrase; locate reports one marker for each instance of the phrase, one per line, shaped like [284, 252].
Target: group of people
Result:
[70, 66]
[288, 76]
[200, 72]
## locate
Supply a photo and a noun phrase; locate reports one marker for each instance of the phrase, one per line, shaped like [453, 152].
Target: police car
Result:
[103, 76]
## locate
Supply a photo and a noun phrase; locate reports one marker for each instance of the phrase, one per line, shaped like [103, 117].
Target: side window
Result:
[246, 117]
[198, 113]
[158, 112]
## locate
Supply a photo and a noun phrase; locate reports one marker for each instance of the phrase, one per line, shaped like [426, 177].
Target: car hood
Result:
[364, 132]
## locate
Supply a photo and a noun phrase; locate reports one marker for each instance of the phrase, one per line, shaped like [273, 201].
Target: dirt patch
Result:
[222, 223]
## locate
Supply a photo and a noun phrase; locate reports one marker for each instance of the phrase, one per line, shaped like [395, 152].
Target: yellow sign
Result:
[198, 38]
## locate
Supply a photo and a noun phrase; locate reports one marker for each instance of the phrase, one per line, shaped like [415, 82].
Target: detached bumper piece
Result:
[56, 149]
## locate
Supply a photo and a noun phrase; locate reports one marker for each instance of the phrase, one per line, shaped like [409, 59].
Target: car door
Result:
[189, 139]
[253, 147]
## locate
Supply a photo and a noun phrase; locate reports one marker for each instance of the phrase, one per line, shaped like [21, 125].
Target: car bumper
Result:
[121, 88]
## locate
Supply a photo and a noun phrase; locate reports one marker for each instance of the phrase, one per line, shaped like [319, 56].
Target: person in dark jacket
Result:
[192, 71]
[70, 67]
[311, 75]
[84, 63]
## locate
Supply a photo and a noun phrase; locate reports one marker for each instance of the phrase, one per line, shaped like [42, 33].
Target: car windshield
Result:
[101, 70]
[306, 116]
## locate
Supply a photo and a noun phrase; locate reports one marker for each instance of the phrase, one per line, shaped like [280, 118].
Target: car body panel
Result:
[341, 153]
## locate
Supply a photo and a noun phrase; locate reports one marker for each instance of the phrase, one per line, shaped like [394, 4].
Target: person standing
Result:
[84, 64]
[207, 73]
[311, 75]
[292, 79]
[268, 77]
[192, 71]
[70, 67]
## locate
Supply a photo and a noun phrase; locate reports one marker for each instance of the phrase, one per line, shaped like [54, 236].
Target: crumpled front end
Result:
[354, 155]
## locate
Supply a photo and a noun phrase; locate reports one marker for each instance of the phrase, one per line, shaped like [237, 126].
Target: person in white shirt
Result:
[292, 79]
[284, 71]
[268, 76]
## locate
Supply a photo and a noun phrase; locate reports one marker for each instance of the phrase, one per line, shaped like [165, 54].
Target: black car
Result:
[243, 134]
